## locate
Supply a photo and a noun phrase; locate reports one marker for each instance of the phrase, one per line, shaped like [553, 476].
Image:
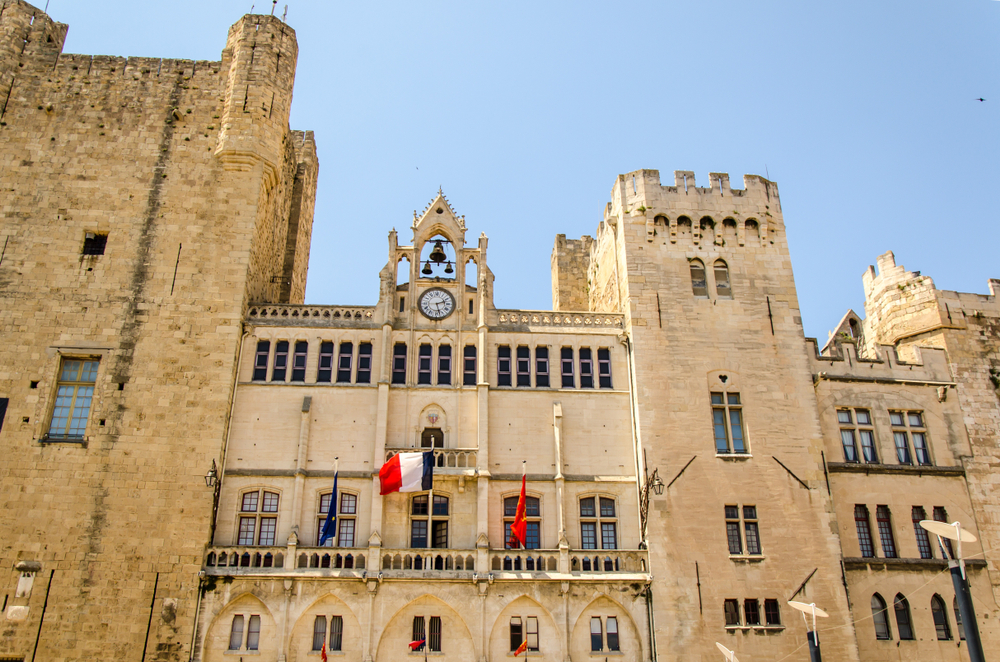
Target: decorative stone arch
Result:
[217, 635]
[457, 644]
[630, 640]
[433, 417]
[723, 380]
[551, 638]
[752, 235]
[301, 635]
[706, 229]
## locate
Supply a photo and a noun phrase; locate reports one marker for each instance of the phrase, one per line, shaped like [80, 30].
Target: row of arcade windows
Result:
[351, 366]
[909, 436]
[904, 622]
[751, 613]
[520, 366]
[431, 372]
[699, 280]
[887, 538]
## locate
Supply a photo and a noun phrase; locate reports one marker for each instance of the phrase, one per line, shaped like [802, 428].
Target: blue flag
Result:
[330, 525]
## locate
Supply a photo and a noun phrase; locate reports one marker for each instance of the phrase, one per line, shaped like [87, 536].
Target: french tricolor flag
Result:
[407, 472]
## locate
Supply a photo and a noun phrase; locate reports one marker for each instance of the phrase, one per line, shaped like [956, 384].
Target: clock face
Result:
[436, 303]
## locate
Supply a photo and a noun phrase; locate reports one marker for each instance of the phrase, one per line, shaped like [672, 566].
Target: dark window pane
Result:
[419, 505]
[863, 524]
[399, 364]
[236, 633]
[440, 534]
[751, 611]
[344, 363]
[299, 361]
[609, 535]
[604, 367]
[733, 535]
[424, 364]
[903, 624]
[719, 425]
[587, 508]
[503, 366]
[568, 381]
[940, 614]
[444, 365]
[753, 538]
[732, 609]
[469, 374]
[732, 512]
[868, 446]
[418, 533]
[336, 633]
[531, 507]
[607, 507]
[532, 538]
[516, 633]
[94, 244]
[884, 519]
[260, 360]
[541, 366]
[613, 633]
[280, 361]
[588, 535]
[523, 366]
[440, 505]
[364, 363]
[923, 540]
[596, 634]
[434, 641]
[325, 372]
[586, 368]
[772, 615]
[510, 506]
[418, 631]
[880, 616]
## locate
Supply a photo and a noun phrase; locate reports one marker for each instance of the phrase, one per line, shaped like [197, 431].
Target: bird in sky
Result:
[980, 99]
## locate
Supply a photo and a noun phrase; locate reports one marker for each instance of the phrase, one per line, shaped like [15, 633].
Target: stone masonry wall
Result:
[132, 149]
[570, 266]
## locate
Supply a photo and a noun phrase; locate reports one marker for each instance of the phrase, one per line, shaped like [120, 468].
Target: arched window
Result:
[236, 641]
[699, 284]
[532, 513]
[940, 614]
[904, 624]
[722, 286]
[880, 615]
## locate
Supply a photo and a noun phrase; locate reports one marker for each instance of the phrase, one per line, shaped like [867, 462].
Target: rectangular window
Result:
[434, 642]
[918, 514]
[74, 393]
[280, 361]
[419, 631]
[596, 634]
[568, 381]
[325, 372]
[751, 611]
[253, 633]
[94, 244]
[732, 609]
[260, 360]
[733, 533]
[772, 615]
[523, 366]
[336, 633]
[884, 519]
[472, 306]
[902, 447]
[319, 633]
[364, 363]
[752, 532]
[248, 526]
[344, 363]
[236, 633]
[609, 535]
[268, 527]
[402, 304]
[345, 535]
[516, 633]
[849, 443]
[941, 515]
[503, 365]
[299, 361]
[424, 364]
[907, 426]
[586, 368]
[399, 363]
[604, 367]
[613, 644]
[444, 365]
[440, 534]
[541, 367]
[531, 623]
[418, 533]
[863, 524]
[588, 535]
[727, 422]
[469, 369]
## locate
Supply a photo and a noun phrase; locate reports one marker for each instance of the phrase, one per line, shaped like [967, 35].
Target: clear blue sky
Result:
[863, 111]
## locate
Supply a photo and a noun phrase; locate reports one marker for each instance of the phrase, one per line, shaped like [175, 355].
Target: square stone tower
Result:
[145, 202]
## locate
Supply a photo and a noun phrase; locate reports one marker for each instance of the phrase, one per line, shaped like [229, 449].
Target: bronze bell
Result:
[449, 269]
[437, 255]
[427, 269]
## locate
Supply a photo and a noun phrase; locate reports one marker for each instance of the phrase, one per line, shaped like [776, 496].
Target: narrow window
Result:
[523, 366]
[867, 434]
[847, 438]
[958, 619]
[344, 363]
[364, 363]
[884, 519]
[722, 287]
[319, 632]
[772, 614]
[596, 634]
[3, 410]
[299, 361]
[900, 437]
[346, 521]
[444, 365]
[568, 380]
[586, 368]
[699, 283]
[472, 306]
[399, 363]
[236, 633]
[541, 367]
[516, 633]
[940, 614]
[424, 364]
[604, 367]
[336, 633]
[941, 515]
[752, 532]
[260, 360]
[325, 372]
[613, 633]
[418, 534]
[253, 633]
[863, 524]
[434, 643]
[880, 615]
[923, 540]
[469, 369]
[751, 611]
[280, 361]
[733, 533]
[727, 422]
[74, 393]
[904, 624]
[418, 631]
[531, 623]
[503, 365]
[440, 534]
[732, 609]
[94, 244]
[402, 304]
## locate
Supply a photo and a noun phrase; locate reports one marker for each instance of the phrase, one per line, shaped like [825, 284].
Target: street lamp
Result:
[959, 580]
[212, 475]
[813, 635]
[651, 482]
[730, 655]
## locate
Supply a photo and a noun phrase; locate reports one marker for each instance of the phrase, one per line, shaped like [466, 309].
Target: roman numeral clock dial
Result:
[436, 304]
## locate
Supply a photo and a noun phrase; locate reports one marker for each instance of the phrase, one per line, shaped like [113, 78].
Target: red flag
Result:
[523, 648]
[322, 653]
[519, 529]
[414, 645]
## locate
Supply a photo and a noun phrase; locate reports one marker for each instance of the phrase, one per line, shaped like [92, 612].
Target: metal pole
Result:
[814, 654]
[964, 599]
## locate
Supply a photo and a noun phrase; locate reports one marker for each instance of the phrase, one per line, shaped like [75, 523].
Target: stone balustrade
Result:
[304, 315]
[428, 559]
[444, 458]
[548, 318]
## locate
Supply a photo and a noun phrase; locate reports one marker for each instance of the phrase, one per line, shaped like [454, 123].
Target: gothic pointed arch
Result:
[457, 641]
[550, 637]
[219, 637]
[583, 638]
[327, 607]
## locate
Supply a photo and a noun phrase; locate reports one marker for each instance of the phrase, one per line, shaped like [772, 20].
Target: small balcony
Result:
[459, 461]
